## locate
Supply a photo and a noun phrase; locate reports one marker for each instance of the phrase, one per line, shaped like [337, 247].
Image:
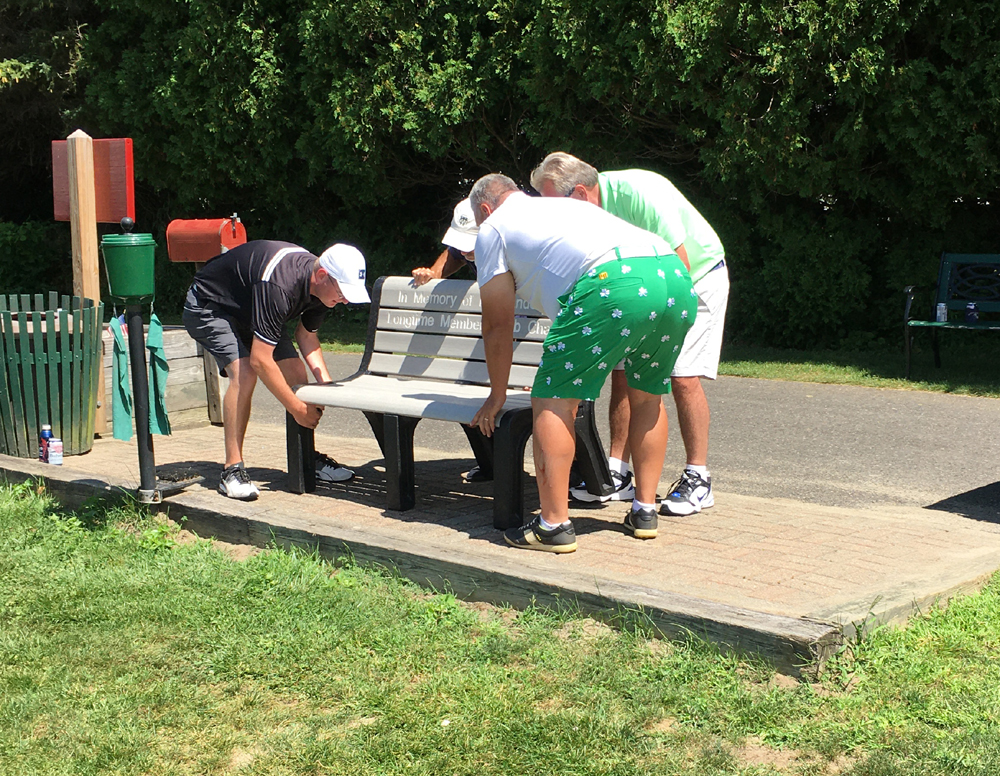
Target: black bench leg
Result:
[482, 448]
[300, 444]
[907, 333]
[509, 441]
[591, 459]
[398, 450]
[377, 421]
[936, 346]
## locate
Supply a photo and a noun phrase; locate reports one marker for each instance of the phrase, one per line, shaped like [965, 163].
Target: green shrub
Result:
[838, 148]
[35, 257]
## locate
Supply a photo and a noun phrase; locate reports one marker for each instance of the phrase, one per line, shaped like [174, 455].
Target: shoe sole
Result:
[693, 509]
[251, 497]
[642, 533]
[586, 497]
[321, 478]
[557, 548]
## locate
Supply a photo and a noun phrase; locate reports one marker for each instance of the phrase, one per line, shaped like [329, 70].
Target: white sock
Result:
[637, 505]
[618, 465]
[701, 471]
[549, 526]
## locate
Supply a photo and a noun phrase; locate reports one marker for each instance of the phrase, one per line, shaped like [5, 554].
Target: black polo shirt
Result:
[262, 284]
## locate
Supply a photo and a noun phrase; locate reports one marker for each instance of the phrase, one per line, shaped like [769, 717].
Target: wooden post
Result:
[83, 223]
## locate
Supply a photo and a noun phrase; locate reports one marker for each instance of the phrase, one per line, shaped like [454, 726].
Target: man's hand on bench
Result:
[307, 415]
[423, 275]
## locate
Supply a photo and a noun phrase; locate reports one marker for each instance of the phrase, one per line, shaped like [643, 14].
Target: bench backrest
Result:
[434, 332]
[969, 277]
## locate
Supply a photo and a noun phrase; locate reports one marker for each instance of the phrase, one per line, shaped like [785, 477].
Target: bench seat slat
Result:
[528, 353]
[409, 398]
[446, 369]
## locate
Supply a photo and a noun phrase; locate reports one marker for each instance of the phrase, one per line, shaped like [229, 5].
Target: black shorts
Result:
[222, 335]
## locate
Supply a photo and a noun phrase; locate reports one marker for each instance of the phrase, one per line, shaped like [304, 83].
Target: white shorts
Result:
[703, 344]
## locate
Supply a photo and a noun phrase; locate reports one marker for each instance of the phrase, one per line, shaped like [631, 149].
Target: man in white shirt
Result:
[613, 292]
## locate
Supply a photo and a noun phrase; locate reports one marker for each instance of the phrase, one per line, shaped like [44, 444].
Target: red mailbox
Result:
[201, 239]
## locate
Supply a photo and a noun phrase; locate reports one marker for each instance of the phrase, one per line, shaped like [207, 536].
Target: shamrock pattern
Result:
[639, 363]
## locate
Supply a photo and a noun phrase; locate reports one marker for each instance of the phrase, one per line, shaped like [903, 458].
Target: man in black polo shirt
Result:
[238, 307]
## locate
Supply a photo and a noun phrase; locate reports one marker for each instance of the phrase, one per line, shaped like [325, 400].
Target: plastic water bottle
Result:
[55, 451]
[971, 312]
[44, 442]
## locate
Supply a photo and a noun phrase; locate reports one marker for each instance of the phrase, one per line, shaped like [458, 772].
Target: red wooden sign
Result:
[114, 182]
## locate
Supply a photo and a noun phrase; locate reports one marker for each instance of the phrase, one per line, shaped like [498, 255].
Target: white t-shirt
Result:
[547, 244]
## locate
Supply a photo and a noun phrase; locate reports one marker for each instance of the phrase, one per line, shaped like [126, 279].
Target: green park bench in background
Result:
[963, 278]
[49, 361]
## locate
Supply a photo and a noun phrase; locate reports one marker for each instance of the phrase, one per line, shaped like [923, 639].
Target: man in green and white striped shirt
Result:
[650, 201]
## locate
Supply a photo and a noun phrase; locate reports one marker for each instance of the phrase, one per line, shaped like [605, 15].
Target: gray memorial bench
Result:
[424, 358]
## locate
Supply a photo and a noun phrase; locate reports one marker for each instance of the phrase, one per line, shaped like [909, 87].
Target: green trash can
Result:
[128, 259]
[50, 357]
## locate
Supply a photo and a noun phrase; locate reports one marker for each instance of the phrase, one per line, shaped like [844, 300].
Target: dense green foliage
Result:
[836, 147]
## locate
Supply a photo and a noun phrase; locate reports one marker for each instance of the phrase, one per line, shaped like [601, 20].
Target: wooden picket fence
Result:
[49, 361]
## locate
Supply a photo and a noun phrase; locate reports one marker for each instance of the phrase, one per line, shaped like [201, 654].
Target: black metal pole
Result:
[140, 403]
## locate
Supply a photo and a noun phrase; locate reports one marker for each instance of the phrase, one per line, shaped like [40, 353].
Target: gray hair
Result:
[565, 172]
[489, 189]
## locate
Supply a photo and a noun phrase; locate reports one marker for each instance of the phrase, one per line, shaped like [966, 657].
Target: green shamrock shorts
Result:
[636, 308]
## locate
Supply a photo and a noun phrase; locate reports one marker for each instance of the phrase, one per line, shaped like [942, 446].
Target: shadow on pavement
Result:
[981, 503]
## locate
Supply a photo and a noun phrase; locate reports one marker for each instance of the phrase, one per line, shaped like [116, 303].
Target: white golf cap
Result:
[461, 235]
[345, 264]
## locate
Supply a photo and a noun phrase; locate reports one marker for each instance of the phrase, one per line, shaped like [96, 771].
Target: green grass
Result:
[970, 365]
[123, 651]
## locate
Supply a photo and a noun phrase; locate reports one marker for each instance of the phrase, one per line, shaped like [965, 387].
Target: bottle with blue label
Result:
[43, 443]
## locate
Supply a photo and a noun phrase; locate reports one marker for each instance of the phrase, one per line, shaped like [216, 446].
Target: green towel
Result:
[121, 392]
[158, 371]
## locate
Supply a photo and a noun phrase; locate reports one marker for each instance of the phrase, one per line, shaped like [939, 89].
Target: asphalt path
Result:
[824, 444]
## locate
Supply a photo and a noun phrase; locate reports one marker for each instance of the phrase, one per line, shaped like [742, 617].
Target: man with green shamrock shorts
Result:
[614, 293]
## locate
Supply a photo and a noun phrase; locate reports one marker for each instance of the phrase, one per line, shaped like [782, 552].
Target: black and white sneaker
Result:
[328, 470]
[236, 483]
[691, 493]
[624, 490]
[642, 523]
[533, 537]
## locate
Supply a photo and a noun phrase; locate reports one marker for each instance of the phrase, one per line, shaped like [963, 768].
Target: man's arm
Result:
[309, 347]
[498, 300]
[444, 266]
[267, 369]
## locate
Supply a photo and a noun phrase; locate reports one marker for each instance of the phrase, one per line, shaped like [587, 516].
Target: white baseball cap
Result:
[345, 264]
[463, 230]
